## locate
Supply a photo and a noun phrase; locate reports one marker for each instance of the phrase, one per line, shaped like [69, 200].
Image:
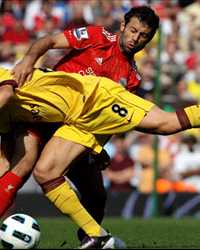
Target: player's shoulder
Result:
[102, 32]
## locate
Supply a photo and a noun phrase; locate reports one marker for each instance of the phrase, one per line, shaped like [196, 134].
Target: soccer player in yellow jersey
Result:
[94, 50]
[88, 108]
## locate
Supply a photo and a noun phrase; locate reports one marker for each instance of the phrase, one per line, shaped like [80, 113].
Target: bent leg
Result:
[55, 158]
[24, 154]
[54, 161]
[87, 178]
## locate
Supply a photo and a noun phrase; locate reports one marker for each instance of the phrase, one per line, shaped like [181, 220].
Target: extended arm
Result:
[158, 121]
[23, 70]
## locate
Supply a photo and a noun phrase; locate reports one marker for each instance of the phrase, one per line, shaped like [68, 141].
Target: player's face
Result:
[134, 36]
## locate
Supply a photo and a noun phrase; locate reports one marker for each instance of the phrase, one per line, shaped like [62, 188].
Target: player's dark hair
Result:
[145, 15]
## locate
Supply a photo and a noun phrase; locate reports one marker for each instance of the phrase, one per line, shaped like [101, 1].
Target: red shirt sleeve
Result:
[134, 81]
[84, 37]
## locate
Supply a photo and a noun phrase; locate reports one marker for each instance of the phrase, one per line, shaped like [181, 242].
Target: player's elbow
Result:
[48, 42]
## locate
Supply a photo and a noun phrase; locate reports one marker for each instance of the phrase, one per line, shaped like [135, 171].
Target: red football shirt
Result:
[96, 52]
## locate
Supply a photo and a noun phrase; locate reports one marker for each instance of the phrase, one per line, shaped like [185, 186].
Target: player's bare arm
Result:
[6, 93]
[24, 69]
[157, 121]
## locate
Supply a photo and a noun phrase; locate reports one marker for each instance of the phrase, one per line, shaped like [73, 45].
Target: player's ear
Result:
[122, 26]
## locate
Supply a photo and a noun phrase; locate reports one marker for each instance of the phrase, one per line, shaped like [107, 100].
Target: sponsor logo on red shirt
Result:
[81, 33]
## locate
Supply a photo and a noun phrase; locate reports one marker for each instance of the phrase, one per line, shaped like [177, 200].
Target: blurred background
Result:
[161, 173]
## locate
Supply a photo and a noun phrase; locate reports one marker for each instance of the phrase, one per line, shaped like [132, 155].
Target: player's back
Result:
[50, 96]
[5, 74]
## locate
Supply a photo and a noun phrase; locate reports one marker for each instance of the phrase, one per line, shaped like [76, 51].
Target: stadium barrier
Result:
[124, 204]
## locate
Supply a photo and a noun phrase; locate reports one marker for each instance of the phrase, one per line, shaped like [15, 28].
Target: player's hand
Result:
[102, 160]
[22, 72]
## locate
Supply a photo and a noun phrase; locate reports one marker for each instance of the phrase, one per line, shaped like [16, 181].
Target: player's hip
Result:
[113, 112]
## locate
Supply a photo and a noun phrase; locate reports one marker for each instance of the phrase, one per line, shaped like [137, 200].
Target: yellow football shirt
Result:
[88, 106]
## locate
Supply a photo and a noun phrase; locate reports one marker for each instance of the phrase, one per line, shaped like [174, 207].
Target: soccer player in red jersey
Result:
[94, 51]
[102, 55]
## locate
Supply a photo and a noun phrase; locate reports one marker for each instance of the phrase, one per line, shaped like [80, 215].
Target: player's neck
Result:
[129, 56]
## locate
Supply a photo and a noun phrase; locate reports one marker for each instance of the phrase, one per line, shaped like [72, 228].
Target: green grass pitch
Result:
[60, 233]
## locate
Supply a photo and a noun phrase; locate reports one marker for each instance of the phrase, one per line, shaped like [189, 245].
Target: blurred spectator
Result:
[187, 165]
[193, 83]
[104, 17]
[7, 18]
[121, 171]
[84, 10]
[77, 17]
[195, 34]
[62, 10]
[187, 17]
[172, 69]
[49, 27]
[45, 13]
[147, 72]
[184, 98]
[7, 55]
[167, 11]
[170, 144]
[16, 34]
[32, 9]
[144, 154]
